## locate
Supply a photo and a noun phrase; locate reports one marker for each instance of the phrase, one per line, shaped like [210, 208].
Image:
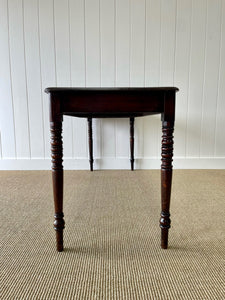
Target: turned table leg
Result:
[166, 180]
[57, 180]
[90, 141]
[132, 143]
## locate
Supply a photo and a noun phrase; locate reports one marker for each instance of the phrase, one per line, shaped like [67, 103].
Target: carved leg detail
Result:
[90, 139]
[132, 143]
[59, 225]
[166, 180]
[57, 179]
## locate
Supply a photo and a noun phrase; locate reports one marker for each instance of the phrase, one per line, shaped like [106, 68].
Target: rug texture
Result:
[112, 236]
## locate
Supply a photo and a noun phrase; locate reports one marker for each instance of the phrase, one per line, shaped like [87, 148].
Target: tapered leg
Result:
[132, 143]
[166, 180]
[57, 179]
[90, 140]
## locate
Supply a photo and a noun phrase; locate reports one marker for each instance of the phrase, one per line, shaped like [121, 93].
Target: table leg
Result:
[90, 139]
[132, 143]
[57, 180]
[166, 180]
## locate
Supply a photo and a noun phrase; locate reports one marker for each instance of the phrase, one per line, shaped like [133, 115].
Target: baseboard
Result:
[112, 163]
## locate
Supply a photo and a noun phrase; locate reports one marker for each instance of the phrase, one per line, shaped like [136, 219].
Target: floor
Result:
[112, 236]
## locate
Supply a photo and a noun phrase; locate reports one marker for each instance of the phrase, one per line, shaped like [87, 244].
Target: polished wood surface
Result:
[112, 102]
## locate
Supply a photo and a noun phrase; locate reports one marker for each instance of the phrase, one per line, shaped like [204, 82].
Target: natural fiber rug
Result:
[112, 236]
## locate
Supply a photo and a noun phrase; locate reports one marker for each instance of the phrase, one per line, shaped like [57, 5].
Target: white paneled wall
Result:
[112, 43]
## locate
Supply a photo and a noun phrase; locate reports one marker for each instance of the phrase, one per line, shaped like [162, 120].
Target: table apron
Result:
[110, 104]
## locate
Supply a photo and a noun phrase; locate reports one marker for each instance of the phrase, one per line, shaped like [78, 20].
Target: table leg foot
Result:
[59, 237]
[59, 225]
[132, 165]
[164, 238]
[165, 225]
[59, 240]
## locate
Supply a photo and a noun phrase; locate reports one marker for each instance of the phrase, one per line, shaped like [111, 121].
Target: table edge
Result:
[111, 89]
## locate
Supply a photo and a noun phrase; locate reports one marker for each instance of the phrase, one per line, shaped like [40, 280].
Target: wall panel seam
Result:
[10, 71]
[41, 86]
[70, 72]
[189, 76]
[114, 43]
[175, 43]
[85, 45]
[145, 42]
[54, 38]
[160, 43]
[100, 45]
[130, 32]
[219, 76]
[0, 145]
[203, 87]
[25, 70]
[114, 27]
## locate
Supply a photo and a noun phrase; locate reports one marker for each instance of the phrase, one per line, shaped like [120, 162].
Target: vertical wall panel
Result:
[77, 42]
[8, 146]
[78, 70]
[197, 69]
[112, 43]
[137, 43]
[152, 134]
[152, 51]
[122, 43]
[92, 35]
[108, 137]
[167, 47]
[63, 63]
[107, 47]
[219, 130]
[18, 73]
[122, 138]
[107, 44]
[93, 63]
[0, 146]
[137, 61]
[34, 92]
[211, 82]
[181, 72]
[168, 41]
[152, 64]
[47, 61]
[80, 138]
[122, 70]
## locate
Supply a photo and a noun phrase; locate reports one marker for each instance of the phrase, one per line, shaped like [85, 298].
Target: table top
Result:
[110, 89]
[111, 102]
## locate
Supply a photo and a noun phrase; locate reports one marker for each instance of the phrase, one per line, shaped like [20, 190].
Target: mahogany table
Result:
[112, 103]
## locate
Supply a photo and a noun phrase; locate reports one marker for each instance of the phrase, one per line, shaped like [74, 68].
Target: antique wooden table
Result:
[112, 103]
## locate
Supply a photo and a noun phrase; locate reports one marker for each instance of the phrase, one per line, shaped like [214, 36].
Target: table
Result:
[111, 103]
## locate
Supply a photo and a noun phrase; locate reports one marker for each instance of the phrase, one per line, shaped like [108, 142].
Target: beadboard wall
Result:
[111, 43]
